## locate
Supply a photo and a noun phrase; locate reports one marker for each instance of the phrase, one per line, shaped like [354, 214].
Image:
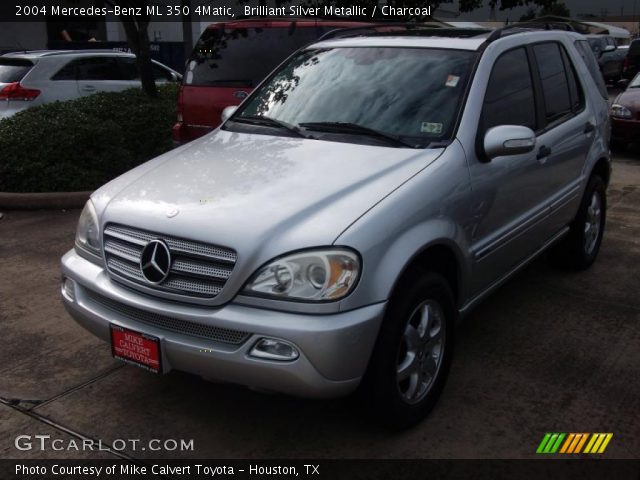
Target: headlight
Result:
[87, 236]
[314, 275]
[619, 111]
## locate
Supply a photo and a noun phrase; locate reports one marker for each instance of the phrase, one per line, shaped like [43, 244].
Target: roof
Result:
[444, 38]
[612, 30]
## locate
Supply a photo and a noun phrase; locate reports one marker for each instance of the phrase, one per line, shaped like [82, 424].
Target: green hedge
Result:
[81, 144]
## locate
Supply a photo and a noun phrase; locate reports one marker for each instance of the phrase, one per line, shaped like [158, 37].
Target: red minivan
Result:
[229, 61]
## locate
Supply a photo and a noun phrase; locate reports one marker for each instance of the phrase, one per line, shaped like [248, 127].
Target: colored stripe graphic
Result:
[574, 443]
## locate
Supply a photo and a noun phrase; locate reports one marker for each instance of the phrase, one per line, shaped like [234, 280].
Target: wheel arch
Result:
[602, 168]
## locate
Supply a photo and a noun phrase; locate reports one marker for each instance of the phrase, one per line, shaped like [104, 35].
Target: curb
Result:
[36, 201]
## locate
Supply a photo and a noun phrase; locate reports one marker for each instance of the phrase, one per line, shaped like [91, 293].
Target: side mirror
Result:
[508, 140]
[609, 48]
[227, 112]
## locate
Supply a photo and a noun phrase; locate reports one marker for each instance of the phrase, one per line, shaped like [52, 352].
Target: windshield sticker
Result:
[452, 81]
[428, 127]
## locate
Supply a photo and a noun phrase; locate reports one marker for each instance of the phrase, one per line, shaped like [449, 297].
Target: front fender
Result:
[430, 209]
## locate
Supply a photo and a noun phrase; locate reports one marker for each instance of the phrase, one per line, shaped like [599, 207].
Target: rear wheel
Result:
[579, 249]
[411, 359]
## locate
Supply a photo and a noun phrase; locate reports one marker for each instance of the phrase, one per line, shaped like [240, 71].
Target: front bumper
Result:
[625, 130]
[334, 349]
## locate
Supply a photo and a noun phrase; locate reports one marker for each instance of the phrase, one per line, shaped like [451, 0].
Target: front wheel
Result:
[411, 359]
[579, 249]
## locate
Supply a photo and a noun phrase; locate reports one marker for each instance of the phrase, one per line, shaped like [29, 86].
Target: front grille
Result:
[194, 329]
[197, 269]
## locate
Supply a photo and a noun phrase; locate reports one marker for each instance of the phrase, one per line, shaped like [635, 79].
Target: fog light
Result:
[68, 289]
[271, 349]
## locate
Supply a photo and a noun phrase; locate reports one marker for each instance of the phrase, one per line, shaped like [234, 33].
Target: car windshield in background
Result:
[411, 96]
[635, 83]
[13, 70]
[227, 57]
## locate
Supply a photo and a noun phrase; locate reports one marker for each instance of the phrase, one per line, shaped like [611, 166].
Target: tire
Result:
[417, 333]
[579, 249]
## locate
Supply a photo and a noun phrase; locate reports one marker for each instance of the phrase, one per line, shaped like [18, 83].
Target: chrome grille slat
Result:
[123, 250]
[197, 269]
[195, 329]
[200, 287]
[188, 247]
[124, 268]
[200, 269]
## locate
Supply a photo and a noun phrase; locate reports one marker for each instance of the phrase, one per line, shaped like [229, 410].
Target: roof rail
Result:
[523, 27]
[430, 29]
[80, 50]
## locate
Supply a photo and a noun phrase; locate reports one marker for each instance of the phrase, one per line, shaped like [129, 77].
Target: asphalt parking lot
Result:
[550, 351]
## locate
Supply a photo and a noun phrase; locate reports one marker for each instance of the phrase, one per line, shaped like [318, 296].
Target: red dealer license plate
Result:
[136, 348]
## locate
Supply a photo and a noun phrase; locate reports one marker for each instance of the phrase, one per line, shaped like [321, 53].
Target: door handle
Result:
[589, 127]
[543, 152]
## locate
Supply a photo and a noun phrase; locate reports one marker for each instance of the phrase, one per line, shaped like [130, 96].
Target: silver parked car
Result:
[34, 78]
[329, 234]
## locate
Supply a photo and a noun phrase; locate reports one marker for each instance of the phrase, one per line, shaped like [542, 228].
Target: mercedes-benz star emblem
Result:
[155, 261]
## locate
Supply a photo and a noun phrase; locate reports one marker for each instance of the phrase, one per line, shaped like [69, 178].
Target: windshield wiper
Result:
[354, 128]
[269, 122]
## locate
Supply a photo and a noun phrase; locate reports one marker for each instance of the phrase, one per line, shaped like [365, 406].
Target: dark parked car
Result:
[610, 57]
[625, 115]
[632, 61]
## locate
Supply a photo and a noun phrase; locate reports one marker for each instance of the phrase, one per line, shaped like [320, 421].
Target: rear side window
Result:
[93, 68]
[13, 69]
[592, 65]
[555, 85]
[99, 68]
[575, 89]
[510, 98]
[242, 57]
[129, 70]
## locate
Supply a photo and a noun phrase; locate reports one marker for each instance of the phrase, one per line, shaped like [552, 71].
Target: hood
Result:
[260, 195]
[630, 98]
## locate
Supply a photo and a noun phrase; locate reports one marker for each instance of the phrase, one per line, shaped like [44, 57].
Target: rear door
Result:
[568, 130]
[100, 74]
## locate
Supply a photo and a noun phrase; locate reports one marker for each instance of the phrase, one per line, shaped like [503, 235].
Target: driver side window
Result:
[510, 98]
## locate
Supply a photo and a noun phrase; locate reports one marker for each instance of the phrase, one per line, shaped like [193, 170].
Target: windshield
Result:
[407, 93]
[227, 57]
[635, 83]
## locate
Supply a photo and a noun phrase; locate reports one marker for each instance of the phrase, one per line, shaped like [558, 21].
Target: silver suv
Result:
[329, 234]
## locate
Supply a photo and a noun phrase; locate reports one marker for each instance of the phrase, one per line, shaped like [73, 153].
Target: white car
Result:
[34, 78]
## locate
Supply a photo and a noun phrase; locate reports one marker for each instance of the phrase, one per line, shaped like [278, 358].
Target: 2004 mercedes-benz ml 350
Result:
[327, 236]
